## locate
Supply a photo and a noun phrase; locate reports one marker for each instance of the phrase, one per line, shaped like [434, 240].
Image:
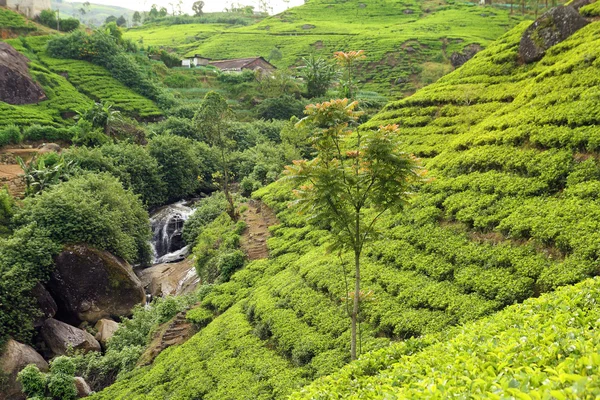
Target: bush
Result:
[10, 135]
[178, 126]
[205, 212]
[33, 381]
[69, 24]
[38, 132]
[7, 205]
[283, 107]
[179, 163]
[26, 258]
[93, 209]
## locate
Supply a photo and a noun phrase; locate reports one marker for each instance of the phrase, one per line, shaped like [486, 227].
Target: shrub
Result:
[10, 134]
[283, 107]
[94, 209]
[180, 166]
[7, 205]
[69, 24]
[38, 132]
[33, 381]
[205, 212]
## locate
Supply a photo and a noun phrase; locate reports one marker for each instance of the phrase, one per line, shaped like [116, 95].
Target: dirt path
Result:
[10, 170]
[258, 217]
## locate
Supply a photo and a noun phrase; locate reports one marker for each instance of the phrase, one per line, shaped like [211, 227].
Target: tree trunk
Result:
[355, 307]
[231, 210]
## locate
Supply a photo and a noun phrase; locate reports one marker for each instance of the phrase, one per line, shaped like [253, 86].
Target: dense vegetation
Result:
[509, 215]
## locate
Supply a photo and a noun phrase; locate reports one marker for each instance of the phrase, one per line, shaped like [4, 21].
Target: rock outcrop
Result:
[457, 59]
[169, 278]
[13, 359]
[16, 85]
[105, 328]
[83, 389]
[59, 337]
[551, 28]
[90, 284]
[46, 304]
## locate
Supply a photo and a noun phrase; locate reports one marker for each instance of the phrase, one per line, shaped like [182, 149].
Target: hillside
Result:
[70, 86]
[408, 44]
[94, 15]
[512, 213]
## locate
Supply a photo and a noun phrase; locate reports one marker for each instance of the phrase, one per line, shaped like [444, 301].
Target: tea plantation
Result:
[512, 213]
[70, 86]
[408, 43]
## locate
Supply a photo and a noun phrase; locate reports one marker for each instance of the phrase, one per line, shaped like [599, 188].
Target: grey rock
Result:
[13, 359]
[59, 337]
[551, 28]
[16, 85]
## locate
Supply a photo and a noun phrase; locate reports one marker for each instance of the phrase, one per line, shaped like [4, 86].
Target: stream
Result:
[167, 228]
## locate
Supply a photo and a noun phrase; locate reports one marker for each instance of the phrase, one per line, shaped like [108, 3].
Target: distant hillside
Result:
[94, 15]
[513, 212]
[408, 44]
[70, 86]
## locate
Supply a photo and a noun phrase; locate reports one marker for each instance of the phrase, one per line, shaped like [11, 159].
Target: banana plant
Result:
[39, 176]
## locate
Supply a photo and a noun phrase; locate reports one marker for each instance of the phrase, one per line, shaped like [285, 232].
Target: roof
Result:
[238, 63]
[201, 56]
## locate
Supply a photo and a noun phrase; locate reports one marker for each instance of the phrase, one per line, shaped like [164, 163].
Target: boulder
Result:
[83, 389]
[13, 359]
[551, 28]
[457, 59]
[45, 303]
[105, 328]
[90, 284]
[59, 337]
[16, 86]
[169, 278]
[49, 148]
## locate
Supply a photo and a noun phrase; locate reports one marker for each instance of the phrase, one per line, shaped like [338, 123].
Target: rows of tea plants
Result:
[545, 348]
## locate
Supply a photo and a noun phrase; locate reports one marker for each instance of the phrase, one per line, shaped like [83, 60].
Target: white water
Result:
[167, 227]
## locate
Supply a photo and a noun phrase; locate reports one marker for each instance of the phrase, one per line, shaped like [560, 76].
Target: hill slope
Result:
[71, 86]
[410, 40]
[513, 213]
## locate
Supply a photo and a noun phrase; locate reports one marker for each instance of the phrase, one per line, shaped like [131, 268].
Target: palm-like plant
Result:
[39, 176]
[318, 74]
[102, 115]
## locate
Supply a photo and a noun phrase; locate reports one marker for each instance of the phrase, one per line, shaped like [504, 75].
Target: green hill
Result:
[408, 43]
[512, 213]
[70, 86]
[94, 15]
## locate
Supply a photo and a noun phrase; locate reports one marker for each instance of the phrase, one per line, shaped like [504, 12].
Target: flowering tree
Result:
[356, 177]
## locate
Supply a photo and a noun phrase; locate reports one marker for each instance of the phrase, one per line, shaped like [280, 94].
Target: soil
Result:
[10, 171]
[258, 217]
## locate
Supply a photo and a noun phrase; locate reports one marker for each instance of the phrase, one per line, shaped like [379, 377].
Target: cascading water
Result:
[167, 228]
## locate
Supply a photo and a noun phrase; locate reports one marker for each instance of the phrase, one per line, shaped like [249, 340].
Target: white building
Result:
[186, 62]
[30, 8]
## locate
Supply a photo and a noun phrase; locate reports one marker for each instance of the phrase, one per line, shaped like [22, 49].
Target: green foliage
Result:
[216, 251]
[534, 350]
[16, 22]
[32, 381]
[49, 19]
[318, 75]
[7, 205]
[10, 135]
[205, 212]
[590, 10]
[45, 171]
[25, 260]
[38, 132]
[93, 209]
[179, 163]
[101, 49]
[283, 107]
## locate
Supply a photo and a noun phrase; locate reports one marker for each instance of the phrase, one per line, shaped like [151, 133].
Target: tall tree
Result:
[318, 74]
[355, 178]
[347, 62]
[197, 8]
[121, 21]
[137, 17]
[211, 121]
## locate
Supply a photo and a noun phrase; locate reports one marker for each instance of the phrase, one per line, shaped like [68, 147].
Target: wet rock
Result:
[169, 279]
[551, 28]
[59, 337]
[106, 328]
[90, 284]
[457, 59]
[16, 85]
[83, 389]
[13, 359]
[45, 303]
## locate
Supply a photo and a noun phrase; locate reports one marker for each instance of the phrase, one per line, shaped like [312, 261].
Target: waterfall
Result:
[167, 228]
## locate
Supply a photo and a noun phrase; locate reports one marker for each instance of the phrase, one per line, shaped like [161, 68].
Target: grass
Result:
[13, 21]
[512, 213]
[397, 43]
